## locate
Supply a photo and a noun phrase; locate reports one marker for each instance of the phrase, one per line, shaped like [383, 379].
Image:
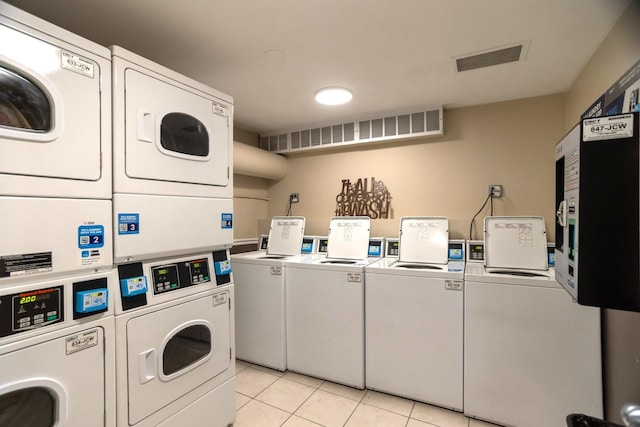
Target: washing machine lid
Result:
[518, 242]
[285, 235]
[349, 237]
[424, 240]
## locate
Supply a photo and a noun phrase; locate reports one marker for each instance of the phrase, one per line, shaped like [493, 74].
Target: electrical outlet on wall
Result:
[294, 198]
[495, 190]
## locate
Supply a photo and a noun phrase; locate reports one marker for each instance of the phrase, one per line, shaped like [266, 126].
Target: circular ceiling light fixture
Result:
[333, 96]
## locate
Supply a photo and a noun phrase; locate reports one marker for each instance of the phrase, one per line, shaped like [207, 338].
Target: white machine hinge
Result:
[230, 351]
[228, 171]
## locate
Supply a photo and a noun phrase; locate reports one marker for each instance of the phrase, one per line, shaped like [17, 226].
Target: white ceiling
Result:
[395, 55]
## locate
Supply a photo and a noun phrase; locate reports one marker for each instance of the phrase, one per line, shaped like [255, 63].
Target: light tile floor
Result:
[266, 397]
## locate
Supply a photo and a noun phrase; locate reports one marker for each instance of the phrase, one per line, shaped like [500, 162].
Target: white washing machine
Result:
[57, 352]
[175, 353]
[55, 150]
[325, 306]
[172, 162]
[259, 279]
[532, 355]
[414, 317]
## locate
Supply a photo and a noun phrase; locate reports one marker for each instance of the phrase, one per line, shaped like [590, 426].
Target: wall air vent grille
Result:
[428, 122]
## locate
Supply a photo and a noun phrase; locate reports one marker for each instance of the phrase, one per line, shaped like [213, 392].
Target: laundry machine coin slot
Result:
[133, 286]
[222, 267]
[90, 297]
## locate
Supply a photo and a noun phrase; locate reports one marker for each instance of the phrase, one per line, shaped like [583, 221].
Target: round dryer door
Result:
[28, 407]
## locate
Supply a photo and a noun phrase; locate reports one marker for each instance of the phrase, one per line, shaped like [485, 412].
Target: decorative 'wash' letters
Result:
[360, 199]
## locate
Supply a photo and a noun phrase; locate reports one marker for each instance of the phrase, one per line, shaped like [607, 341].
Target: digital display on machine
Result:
[476, 252]
[199, 270]
[165, 278]
[33, 309]
[171, 277]
[392, 248]
[323, 245]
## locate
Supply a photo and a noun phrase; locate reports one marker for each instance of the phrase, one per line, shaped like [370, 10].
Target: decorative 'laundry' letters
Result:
[360, 199]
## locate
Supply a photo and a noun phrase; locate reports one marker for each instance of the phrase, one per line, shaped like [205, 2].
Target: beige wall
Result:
[509, 143]
[621, 330]
[617, 53]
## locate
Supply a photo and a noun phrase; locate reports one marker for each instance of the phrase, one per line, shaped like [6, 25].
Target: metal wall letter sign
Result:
[360, 199]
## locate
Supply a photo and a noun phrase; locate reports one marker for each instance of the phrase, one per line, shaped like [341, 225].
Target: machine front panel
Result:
[174, 350]
[188, 143]
[56, 113]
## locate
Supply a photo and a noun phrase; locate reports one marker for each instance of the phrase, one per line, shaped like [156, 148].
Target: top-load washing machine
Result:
[55, 150]
[260, 294]
[414, 316]
[172, 162]
[532, 355]
[325, 306]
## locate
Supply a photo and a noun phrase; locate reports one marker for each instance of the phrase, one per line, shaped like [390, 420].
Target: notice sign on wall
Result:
[366, 197]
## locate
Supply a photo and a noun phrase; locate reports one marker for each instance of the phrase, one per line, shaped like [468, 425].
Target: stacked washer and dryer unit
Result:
[172, 219]
[160, 330]
[57, 284]
[531, 355]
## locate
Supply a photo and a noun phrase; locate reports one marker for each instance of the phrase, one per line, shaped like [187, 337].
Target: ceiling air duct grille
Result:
[427, 122]
[492, 57]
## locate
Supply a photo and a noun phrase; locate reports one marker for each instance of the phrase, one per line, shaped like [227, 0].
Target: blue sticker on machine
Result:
[227, 220]
[223, 267]
[90, 236]
[128, 223]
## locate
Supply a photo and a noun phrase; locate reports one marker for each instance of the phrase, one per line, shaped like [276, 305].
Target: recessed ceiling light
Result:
[333, 96]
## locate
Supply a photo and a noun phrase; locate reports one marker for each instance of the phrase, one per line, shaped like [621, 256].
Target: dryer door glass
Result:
[184, 134]
[185, 348]
[29, 407]
[23, 104]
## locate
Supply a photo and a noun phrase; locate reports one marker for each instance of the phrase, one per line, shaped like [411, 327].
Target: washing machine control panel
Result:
[169, 277]
[392, 247]
[475, 251]
[32, 309]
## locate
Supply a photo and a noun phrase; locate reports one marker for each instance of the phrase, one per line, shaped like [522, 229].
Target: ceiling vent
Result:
[504, 55]
[426, 122]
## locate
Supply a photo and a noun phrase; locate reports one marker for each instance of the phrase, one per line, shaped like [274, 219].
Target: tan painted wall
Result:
[617, 53]
[621, 330]
[509, 143]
